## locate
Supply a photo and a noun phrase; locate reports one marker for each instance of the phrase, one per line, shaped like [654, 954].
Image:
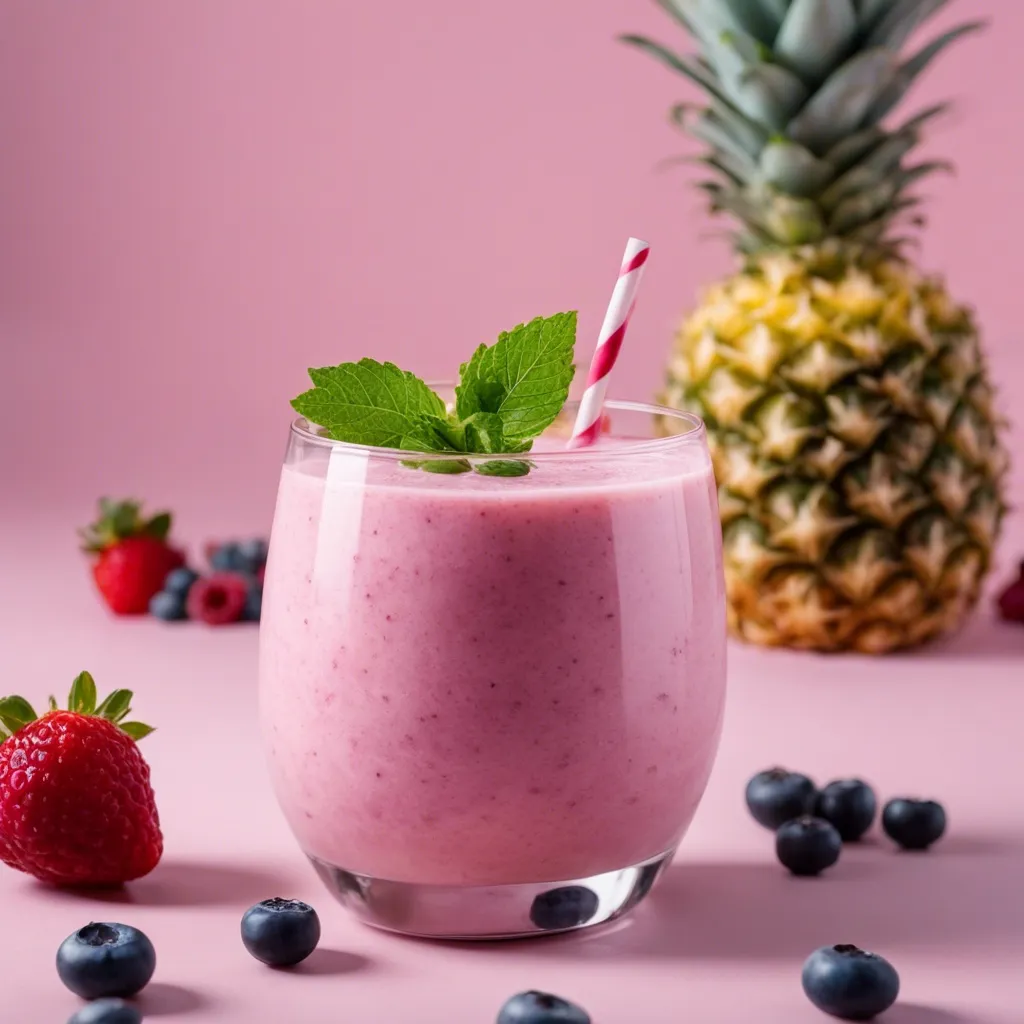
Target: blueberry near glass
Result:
[850, 983]
[776, 796]
[106, 959]
[848, 804]
[541, 1008]
[107, 1011]
[491, 702]
[280, 932]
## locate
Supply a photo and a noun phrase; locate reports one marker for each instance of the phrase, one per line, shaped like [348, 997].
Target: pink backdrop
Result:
[199, 198]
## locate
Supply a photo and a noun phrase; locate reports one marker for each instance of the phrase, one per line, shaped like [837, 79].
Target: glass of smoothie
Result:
[491, 704]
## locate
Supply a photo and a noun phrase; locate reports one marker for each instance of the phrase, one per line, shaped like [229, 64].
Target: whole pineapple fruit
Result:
[847, 400]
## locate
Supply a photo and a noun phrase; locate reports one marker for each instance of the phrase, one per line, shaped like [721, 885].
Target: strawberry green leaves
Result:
[82, 698]
[16, 712]
[508, 394]
[119, 520]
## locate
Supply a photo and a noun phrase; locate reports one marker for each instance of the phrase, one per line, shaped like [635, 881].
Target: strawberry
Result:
[132, 555]
[76, 806]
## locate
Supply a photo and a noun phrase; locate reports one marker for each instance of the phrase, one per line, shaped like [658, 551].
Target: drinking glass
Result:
[491, 703]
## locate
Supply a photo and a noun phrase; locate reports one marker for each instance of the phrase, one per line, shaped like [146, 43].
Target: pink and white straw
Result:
[587, 428]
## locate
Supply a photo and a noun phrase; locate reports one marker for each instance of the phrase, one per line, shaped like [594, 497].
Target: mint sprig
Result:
[508, 394]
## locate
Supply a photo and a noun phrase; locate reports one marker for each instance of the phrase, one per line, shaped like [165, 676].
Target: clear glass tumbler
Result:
[491, 704]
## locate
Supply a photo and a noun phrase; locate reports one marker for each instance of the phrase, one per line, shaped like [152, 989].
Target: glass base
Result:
[475, 912]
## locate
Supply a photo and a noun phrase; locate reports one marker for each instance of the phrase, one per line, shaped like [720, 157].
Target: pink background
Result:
[198, 199]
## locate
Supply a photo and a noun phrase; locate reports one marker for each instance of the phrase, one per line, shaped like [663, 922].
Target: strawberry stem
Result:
[16, 712]
[83, 694]
[119, 520]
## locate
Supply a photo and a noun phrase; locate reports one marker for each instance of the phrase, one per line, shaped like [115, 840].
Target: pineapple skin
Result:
[856, 447]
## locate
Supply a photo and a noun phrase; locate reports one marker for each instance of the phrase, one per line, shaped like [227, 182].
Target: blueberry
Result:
[253, 603]
[807, 845]
[777, 796]
[167, 606]
[107, 1011]
[253, 554]
[850, 805]
[569, 906]
[541, 1008]
[849, 983]
[227, 558]
[179, 581]
[106, 959]
[280, 932]
[914, 824]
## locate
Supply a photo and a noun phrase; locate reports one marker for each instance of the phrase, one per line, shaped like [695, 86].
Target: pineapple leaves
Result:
[770, 12]
[686, 66]
[761, 18]
[794, 169]
[674, 8]
[901, 21]
[918, 120]
[850, 151]
[912, 175]
[815, 36]
[870, 12]
[750, 135]
[862, 207]
[796, 93]
[708, 129]
[768, 94]
[842, 103]
[909, 70]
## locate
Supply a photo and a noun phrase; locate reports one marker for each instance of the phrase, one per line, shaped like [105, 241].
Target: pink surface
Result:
[720, 942]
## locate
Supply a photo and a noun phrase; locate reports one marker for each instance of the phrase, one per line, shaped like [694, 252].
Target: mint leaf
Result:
[371, 403]
[523, 377]
[485, 435]
[503, 468]
[447, 466]
[508, 393]
[431, 434]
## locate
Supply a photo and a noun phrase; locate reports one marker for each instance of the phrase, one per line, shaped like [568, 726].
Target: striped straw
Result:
[587, 428]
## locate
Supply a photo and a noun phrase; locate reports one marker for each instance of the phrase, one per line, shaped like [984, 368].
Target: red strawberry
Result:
[76, 806]
[217, 599]
[133, 557]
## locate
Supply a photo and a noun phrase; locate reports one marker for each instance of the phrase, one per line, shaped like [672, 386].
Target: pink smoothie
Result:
[470, 680]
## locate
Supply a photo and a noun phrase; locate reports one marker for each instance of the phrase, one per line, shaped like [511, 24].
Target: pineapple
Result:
[848, 404]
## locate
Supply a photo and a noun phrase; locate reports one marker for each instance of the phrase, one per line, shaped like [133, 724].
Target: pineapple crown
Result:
[16, 712]
[119, 520]
[798, 91]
